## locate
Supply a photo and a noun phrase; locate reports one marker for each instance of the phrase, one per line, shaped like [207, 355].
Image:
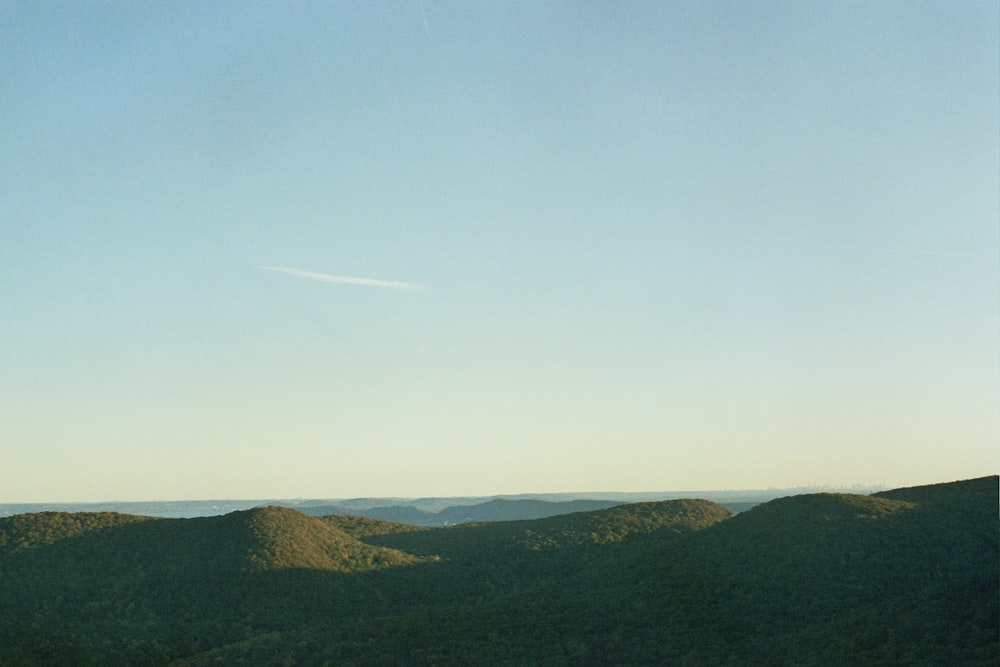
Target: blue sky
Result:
[592, 246]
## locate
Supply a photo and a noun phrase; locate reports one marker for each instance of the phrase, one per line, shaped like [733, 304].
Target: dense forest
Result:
[907, 577]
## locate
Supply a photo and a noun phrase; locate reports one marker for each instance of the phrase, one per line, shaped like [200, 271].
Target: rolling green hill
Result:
[576, 529]
[94, 589]
[905, 577]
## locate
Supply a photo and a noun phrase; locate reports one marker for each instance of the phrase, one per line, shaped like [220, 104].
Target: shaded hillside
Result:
[28, 531]
[100, 589]
[903, 577]
[265, 538]
[485, 560]
[576, 529]
[502, 509]
[907, 577]
[963, 497]
[809, 580]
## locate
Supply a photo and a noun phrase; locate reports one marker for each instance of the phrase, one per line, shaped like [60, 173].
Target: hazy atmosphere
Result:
[275, 250]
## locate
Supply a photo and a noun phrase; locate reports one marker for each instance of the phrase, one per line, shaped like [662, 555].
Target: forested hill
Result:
[266, 538]
[905, 577]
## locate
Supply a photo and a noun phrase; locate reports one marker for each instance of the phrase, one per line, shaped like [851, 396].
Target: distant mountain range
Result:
[435, 511]
[499, 509]
[902, 577]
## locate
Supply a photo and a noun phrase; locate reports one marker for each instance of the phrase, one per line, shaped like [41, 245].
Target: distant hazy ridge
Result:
[438, 511]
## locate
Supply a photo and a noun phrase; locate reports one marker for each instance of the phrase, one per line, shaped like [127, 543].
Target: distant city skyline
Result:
[336, 250]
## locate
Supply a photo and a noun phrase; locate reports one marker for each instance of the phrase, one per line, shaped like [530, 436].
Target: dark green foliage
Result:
[27, 531]
[906, 577]
[578, 529]
[148, 591]
[896, 578]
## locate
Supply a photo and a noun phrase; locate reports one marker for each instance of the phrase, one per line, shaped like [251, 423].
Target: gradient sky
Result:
[319, 249]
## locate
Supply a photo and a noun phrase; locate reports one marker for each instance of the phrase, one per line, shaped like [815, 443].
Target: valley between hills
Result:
[903, 577]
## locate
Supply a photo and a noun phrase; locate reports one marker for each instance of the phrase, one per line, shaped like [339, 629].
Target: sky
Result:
[341, 249]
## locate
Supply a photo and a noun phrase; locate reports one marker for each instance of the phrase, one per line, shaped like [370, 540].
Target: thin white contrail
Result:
[348, 280]
[423, 13]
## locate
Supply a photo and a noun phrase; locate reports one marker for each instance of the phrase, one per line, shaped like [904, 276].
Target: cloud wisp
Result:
[346, 280]
[423, 13]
